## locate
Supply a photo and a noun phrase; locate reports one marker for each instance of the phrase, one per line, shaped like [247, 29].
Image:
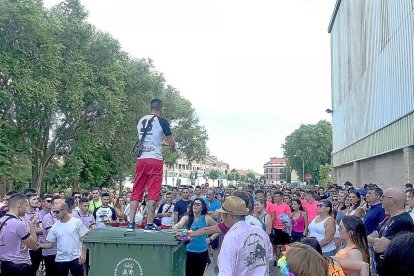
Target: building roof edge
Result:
[335, 12]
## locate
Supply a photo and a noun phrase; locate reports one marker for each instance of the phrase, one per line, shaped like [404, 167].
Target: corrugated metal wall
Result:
[395, 136]
[372, 46]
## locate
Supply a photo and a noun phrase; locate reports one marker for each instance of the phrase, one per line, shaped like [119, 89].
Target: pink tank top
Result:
[298, 225]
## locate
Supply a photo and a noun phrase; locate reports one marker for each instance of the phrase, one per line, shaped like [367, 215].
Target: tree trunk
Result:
[38, 172]
[121, 188]
[76, 185]
[166, 177]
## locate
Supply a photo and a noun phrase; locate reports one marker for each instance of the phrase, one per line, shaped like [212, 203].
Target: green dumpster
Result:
[115, 252]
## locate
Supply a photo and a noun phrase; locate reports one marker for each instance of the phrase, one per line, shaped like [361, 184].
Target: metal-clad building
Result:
[372, 64]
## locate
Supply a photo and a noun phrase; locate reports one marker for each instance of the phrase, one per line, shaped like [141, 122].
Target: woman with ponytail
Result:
[354, 240]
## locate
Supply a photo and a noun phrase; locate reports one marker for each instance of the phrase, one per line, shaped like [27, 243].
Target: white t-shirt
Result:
[67, 237]
[103, 214]
[139, 215]
[253, 221]
[246, 251]
[153, 139]
[167, 221]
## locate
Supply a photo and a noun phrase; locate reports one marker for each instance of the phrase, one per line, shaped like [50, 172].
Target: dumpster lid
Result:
[120, 235]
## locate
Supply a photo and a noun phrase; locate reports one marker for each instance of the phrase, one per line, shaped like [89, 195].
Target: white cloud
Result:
[254, 70]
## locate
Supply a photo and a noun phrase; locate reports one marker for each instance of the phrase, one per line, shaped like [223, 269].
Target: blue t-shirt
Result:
[198, 244]
[212, 205]
[374, 217]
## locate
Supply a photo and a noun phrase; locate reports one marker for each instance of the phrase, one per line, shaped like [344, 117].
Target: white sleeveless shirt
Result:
[317, 230]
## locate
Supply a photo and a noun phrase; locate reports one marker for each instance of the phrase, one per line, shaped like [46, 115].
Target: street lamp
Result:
[303, 166]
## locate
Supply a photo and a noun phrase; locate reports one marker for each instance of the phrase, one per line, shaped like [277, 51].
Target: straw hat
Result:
[234, 205]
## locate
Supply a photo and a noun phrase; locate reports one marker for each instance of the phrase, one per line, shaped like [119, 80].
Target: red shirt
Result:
[224, 228]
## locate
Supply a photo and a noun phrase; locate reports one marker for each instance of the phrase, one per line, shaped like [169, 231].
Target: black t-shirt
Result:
[182, 207]
[392, 227]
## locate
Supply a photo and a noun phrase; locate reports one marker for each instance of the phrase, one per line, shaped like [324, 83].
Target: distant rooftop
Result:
[276, 160]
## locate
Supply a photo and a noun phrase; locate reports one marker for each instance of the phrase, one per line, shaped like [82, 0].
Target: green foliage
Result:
[232, 176]
[243, 178]
[214, 174]
[313, 144]
[251, 178]
[325, 175]
[70, 100]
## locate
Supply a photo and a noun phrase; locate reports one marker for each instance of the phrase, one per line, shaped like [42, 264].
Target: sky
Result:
[253, 70]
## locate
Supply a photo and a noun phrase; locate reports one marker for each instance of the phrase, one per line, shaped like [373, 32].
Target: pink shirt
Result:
[298, 225]
[311, 209]
[282, 208]
[269, 206]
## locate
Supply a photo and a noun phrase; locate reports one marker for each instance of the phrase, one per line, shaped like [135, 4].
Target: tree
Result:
[251, 178]
[242, 178]
[232, 176]
[214, 174]
[70, 100]
[325, 175]
[190, 137]
[311, 143]
[29, 54]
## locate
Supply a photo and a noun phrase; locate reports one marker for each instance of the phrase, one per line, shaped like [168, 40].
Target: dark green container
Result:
[115, 252]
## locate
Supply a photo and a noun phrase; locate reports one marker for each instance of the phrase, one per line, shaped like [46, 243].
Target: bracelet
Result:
[186, 235]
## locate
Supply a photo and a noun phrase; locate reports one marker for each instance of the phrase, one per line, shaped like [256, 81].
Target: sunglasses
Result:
[56, 212]
[77, 197]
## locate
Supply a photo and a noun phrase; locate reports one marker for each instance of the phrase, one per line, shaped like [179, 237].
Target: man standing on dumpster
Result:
[148, 170]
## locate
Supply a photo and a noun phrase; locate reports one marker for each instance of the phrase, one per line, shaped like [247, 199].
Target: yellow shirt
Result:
[94, 205]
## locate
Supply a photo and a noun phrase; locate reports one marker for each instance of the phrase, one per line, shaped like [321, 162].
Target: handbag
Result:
[138, 148]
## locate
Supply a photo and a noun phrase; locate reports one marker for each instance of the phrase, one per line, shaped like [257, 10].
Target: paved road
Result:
[210, 270]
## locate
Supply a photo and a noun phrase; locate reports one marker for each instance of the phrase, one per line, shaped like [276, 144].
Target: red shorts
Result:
[148, 175]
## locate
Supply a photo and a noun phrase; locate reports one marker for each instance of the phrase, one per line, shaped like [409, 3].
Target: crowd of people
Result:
[341, 227]
[253, 230]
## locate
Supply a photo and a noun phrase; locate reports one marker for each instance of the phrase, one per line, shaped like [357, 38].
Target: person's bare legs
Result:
[151, 205]
[133, 210]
